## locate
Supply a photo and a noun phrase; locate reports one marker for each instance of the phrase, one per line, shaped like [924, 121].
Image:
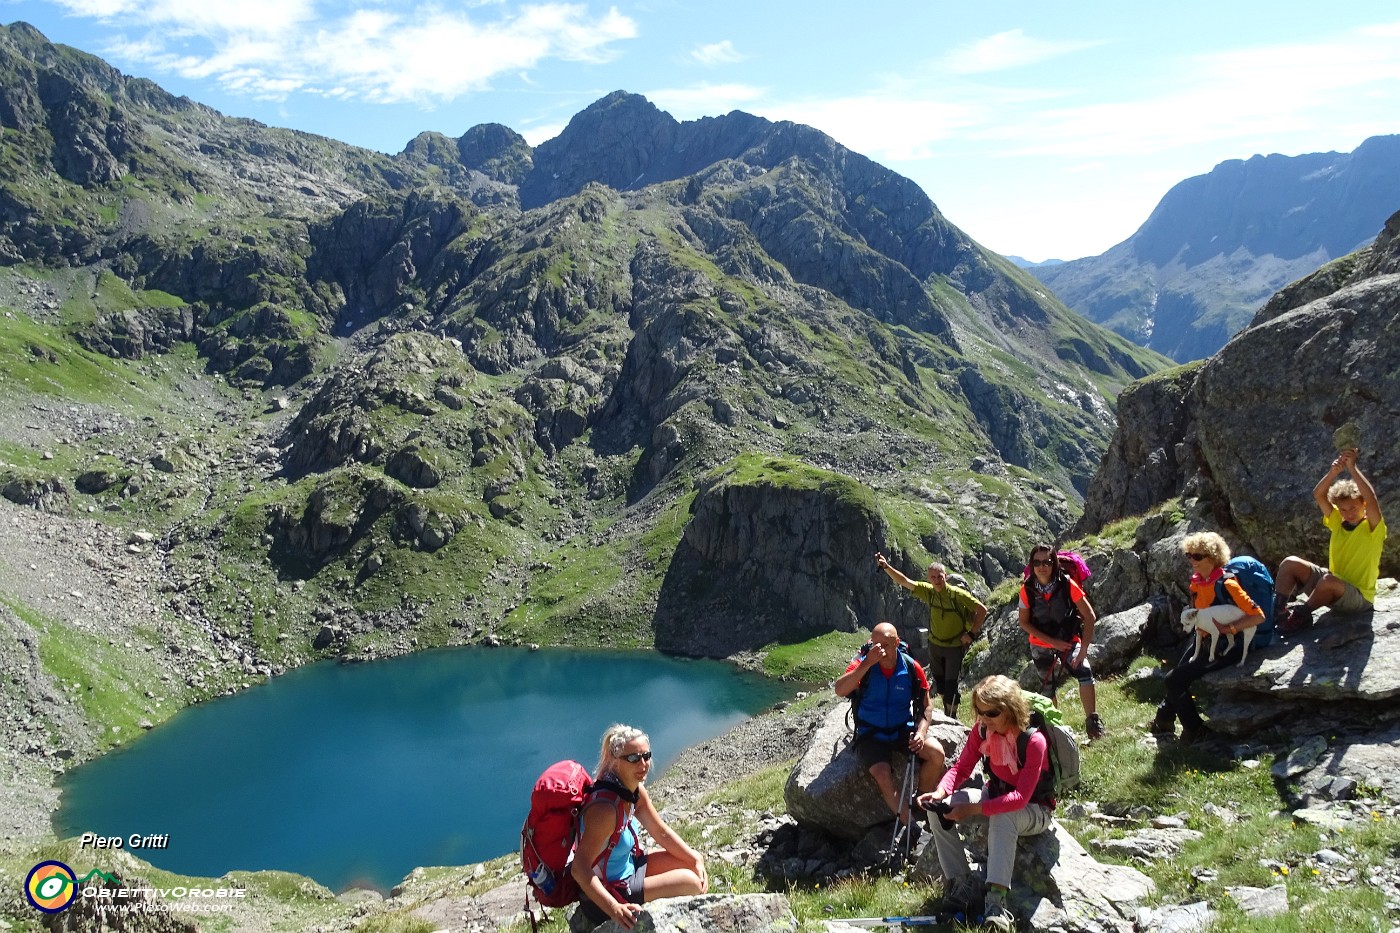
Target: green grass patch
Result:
[107, 681]
[816, 661]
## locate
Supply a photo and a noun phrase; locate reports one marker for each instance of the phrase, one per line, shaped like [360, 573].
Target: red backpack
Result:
[547, 839]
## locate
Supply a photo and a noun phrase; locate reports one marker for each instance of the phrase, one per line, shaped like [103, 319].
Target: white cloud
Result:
[1010, 49]
[205, 18]
[716, 53]
[376, 51]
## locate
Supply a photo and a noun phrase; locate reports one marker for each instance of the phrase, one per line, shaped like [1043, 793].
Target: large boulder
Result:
[714, 913]
[1344, 672]
[1057, 885]
[828, 788]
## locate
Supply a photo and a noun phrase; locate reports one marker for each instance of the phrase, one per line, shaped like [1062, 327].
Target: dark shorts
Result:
[871, 750]
[1045, 657]
[630, 891]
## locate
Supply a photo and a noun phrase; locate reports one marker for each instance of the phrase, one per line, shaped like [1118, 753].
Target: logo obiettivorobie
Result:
[51, 887]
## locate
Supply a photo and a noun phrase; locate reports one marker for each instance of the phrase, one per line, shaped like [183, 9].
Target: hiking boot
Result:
[995, 913]
[1164, 725]
[1200, 735]
[1094, 726]
[1299, 618]
[962, 895]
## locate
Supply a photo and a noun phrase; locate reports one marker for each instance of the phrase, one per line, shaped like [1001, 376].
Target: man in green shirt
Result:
[955, 618]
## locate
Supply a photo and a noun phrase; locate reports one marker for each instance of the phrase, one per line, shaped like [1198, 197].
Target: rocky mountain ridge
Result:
[498, 358]
[1219, 244]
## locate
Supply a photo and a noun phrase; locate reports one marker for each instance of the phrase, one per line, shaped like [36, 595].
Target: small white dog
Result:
[1207, 621]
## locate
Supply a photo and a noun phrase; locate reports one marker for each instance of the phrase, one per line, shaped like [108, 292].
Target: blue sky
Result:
[1042, 129]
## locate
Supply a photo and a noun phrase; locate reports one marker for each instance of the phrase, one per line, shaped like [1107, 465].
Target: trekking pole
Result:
[903, 805]
[893, 921]
[908, 805]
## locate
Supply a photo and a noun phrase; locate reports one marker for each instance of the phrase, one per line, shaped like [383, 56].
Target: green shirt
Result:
[950, 613]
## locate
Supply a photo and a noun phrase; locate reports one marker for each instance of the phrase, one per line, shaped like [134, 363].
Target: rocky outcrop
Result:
[786, 547]
[829, 790]
[374, 251]
[714, 913]
[1059, 885]
[47, 493]
[1342, 676]
[1252, 431]
[136, 334]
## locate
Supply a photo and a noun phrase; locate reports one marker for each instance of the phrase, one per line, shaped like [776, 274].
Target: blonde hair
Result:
[615, 739]
[1343, 489]
[1208, 543]
[1003, 693]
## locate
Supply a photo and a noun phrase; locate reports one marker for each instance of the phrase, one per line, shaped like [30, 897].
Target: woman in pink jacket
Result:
[1018, 799]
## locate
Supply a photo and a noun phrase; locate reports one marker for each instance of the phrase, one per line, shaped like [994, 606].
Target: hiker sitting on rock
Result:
[955, 618]
[892, 712]
[1057, 617]
[1018, 799]
[1207, 553]
[1352, 513]
[613, 872]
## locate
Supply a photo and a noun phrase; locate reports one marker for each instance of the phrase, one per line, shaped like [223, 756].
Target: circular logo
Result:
[51, 887]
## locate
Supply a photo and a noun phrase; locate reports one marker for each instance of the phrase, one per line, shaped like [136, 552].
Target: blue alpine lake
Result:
[356, 774]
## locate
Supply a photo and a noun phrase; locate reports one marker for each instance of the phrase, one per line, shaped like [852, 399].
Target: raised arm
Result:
[895, 575]
[848, 681]
[1368, 492]
[1328, 478]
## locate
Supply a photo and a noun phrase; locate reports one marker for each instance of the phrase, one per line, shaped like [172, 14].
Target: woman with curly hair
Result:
[1207, 553]
[1018, 799]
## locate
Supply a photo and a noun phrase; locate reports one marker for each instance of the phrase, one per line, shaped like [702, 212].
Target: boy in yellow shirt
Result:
[1352, 513]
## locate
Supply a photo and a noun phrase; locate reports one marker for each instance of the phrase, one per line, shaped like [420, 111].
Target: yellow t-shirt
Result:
[1355, 555]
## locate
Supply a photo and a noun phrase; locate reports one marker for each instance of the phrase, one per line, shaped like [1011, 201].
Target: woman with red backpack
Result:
[614, 873]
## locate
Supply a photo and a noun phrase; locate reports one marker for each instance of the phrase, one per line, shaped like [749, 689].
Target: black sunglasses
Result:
[1042, 563]
[636, 757]
[989, 713]
[1195, 557]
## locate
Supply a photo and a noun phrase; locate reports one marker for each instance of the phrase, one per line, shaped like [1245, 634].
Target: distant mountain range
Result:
[1022, 263]
[1218, 245]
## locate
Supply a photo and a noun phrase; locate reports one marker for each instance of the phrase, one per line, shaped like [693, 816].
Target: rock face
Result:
[829, 789]
[1250, 431]
[795, 561]
[714, 913]
[1060, 886]
[1342, 674]
[1219, 244]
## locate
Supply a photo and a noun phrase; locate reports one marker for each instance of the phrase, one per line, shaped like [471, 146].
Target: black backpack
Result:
[1070, 623]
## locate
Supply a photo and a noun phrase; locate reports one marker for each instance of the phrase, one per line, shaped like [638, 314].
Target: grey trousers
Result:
[1004, 830]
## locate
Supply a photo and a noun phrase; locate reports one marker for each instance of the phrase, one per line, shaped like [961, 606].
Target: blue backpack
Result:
[1254, 579]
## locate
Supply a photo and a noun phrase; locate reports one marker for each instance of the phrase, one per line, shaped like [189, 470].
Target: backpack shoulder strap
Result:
[613, 793]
